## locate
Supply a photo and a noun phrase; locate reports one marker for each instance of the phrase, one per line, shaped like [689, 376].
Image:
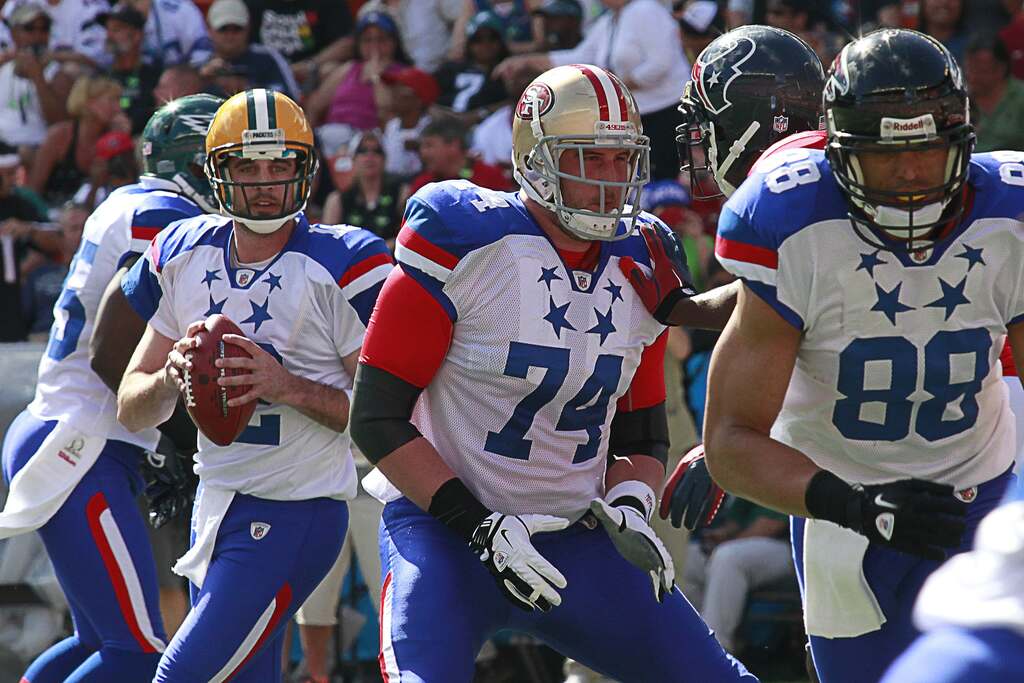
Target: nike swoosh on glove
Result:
[523, 575]
[636, 541]
[671, 281]
[691, 496]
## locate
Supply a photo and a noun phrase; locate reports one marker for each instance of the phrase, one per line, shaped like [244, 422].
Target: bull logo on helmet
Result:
[715, 70]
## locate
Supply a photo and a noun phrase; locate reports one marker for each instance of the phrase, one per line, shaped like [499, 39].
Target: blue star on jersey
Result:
[211, 276]
[889, 302]
[274, 281]
[868, 262]
[952, 296]
[604, 325]
[972, 256]
[556, 316]
[548, 275]
[260, 314]
[215, 306]
[615, 290]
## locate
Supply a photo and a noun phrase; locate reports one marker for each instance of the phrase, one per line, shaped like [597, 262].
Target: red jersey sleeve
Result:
[648, 386]
[409, 331]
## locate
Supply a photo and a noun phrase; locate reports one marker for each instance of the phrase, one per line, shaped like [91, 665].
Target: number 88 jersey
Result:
[897, 372]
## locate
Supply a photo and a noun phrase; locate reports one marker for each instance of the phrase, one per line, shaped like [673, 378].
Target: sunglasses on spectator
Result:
[485, 37]
[231, 28]
[370, 150]
[37, 27]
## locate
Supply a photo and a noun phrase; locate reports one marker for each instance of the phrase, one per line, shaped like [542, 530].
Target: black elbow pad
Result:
[379, 417]
[643, 432]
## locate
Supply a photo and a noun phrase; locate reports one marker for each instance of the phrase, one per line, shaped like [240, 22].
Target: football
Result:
[207, 401]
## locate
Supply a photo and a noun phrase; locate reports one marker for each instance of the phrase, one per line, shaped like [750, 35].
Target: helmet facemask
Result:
[894, 219]
[695, 143]
[228, 190]
[619, 200]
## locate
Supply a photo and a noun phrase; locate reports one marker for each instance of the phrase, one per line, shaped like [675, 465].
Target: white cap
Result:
[227, 13]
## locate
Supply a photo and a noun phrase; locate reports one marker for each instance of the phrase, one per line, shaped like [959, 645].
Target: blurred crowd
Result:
[406, 92]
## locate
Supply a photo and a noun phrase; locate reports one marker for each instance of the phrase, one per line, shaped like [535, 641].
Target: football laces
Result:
[190, 401]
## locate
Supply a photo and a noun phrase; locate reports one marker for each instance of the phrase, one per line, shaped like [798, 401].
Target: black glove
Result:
[911, 515]
[170, 486]
[691, 496]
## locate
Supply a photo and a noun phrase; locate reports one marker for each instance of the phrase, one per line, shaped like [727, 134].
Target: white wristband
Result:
[633, 488]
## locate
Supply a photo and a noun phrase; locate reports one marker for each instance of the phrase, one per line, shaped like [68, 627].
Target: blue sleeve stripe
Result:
[142, 289]
[1016, 319]
[434, 288]
[364, 301]
[769, 294]
[733, 228]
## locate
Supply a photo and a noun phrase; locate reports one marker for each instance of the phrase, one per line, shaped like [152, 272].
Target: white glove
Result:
[522, 573]
[630, 531]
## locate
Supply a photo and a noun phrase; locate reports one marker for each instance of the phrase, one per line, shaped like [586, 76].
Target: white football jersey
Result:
[898, 371]
[521, 406]
[308, 307]
[122, 226]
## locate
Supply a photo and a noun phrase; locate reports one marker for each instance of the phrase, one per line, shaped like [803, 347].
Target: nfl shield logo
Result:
[243, 276]
[582, 279]
[258, 530]
[885, 523]
[780, 124]
[967, 495]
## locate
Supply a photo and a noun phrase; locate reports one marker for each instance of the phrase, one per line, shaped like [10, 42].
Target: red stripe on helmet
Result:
[602, 99]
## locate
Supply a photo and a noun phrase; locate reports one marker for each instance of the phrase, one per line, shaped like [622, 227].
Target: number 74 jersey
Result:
[898, 370]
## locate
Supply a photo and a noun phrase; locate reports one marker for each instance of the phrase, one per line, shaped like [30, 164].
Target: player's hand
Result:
[267, 378]
[671, 280]
[636, 541]
[524, 576]
[170, 486]
[691, 496]
[911, 515]
[179, 360]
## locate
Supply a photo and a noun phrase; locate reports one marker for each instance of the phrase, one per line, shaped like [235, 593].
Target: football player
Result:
[755, 92]
[972, 609]
[270, 515]
[880, 280]
[511, 392]
[74, 471]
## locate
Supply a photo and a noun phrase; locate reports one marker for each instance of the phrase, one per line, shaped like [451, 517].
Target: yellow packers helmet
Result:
[579, 107]
[260, 124]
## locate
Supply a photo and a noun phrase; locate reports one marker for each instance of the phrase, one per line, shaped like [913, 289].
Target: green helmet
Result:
[174, 146]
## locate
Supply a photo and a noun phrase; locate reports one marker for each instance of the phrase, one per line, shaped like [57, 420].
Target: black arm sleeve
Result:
[381, 408]
[643, 432]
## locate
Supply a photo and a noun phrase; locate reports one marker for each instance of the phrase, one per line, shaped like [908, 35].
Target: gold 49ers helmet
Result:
[576, 108]
[260, 124]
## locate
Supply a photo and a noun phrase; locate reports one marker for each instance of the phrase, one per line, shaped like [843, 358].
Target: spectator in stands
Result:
[76, 37]
[944, 20]
[42, 285]
[236, 57]
[561, 25]
[1013, 36]
[175, 32]
[177, 81]
[638, 40]
[408, 96]
[113, 166]
[492, 139]
[372, 201]
[17, 215]
[32, 88]
[137, 76]
[311, 34]
[701, 21]
[468, 88]
[63, 161]
[747, 550]
[807, 20]
[426, 27]
[346, 102]
[997, 99]
[443, 151]
[519, 26]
